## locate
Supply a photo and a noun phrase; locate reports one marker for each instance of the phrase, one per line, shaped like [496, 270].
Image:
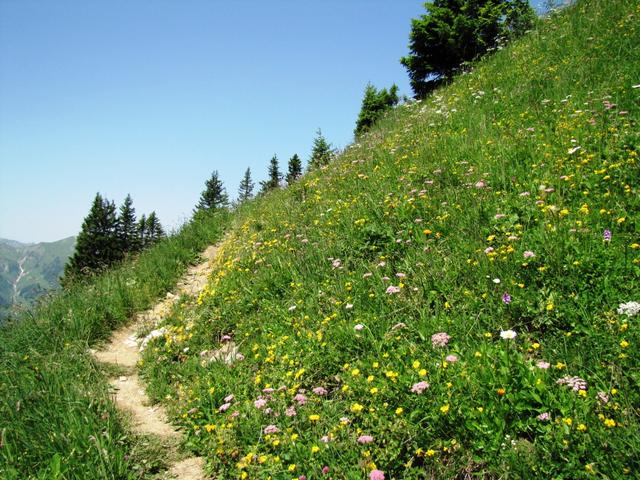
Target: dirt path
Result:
[130, 396]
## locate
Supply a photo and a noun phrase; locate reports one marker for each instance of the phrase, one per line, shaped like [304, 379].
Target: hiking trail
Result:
[129, 393]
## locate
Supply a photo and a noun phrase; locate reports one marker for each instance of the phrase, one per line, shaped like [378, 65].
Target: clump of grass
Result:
[443, 299]
[56, 418]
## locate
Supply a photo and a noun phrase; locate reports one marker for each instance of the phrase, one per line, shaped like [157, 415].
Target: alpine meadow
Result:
[456, 294]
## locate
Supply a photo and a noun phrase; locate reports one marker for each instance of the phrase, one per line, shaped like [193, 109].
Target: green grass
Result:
[56, 418]
[441, 200]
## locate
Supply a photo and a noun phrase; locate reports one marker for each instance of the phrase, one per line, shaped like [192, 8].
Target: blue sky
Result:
[149, 97]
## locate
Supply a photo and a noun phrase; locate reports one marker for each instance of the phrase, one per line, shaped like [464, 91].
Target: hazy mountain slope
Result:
[29, 270]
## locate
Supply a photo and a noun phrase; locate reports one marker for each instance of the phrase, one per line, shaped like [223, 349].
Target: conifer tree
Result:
[274, 176]
[295, 169]
[321, 153]
[214, 195]
[154, 229]
[127, 228]
[374, 105]
[97, 245]
[457, 31]
[245, 192]
[142, 231]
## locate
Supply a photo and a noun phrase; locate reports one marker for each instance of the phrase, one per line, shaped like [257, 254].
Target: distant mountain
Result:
[27, 270]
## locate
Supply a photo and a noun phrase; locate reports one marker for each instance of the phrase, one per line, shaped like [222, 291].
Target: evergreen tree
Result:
[275, 177]
[97, 245]
[295, 169]
[127, 227]
[154, 229]
[374, 104]
[245, 192]
[321, 153]
[142, 231]
[214, 195]
[457, 31]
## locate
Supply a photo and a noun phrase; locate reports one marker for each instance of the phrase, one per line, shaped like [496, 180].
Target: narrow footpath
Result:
[129, 392]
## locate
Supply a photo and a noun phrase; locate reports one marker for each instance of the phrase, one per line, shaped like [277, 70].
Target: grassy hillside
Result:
[445, 299]
[57, 420]
[42, 266]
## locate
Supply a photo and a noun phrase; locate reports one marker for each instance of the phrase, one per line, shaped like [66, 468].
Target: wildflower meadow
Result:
[456, 294]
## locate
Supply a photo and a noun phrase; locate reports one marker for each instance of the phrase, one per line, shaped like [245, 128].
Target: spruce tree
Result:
[214, 195]
[374, 104]
[454, 32]
[97, 245]
[127, 227]
[142, 231]
[245, 192]
[274, 176]
[295, 169]
[321, 153]
[154, 229]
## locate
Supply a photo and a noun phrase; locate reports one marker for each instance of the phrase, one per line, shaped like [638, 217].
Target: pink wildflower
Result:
[320, 391]
[419, 387]
[224, 407]
[376, 475]
[358, 327]
[290, 412]
[543, 365]
[528, 254]
[364, 439]
[391, 289]
[300, 398]
[451, 358]
[440, 339]
[260, 403]
[544, 417]
[269, 429]
[229, 398]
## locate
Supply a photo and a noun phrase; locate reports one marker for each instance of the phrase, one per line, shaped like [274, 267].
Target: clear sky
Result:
[149, 97]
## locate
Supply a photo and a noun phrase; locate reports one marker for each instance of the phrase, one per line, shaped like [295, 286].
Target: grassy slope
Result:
[441, 200]
[56, 418]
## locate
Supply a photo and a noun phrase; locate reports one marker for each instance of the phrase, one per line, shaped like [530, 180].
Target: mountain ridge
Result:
[28, 270]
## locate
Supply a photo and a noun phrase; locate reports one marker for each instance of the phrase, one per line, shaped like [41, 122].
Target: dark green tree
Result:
[275, 177]
[142, 231]
[97, 245]
[457, 31]
[374, 105]
[153, 229]
[295, 169]
[321, 153]
[127, 228]
[245, 192]
[214, 195]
